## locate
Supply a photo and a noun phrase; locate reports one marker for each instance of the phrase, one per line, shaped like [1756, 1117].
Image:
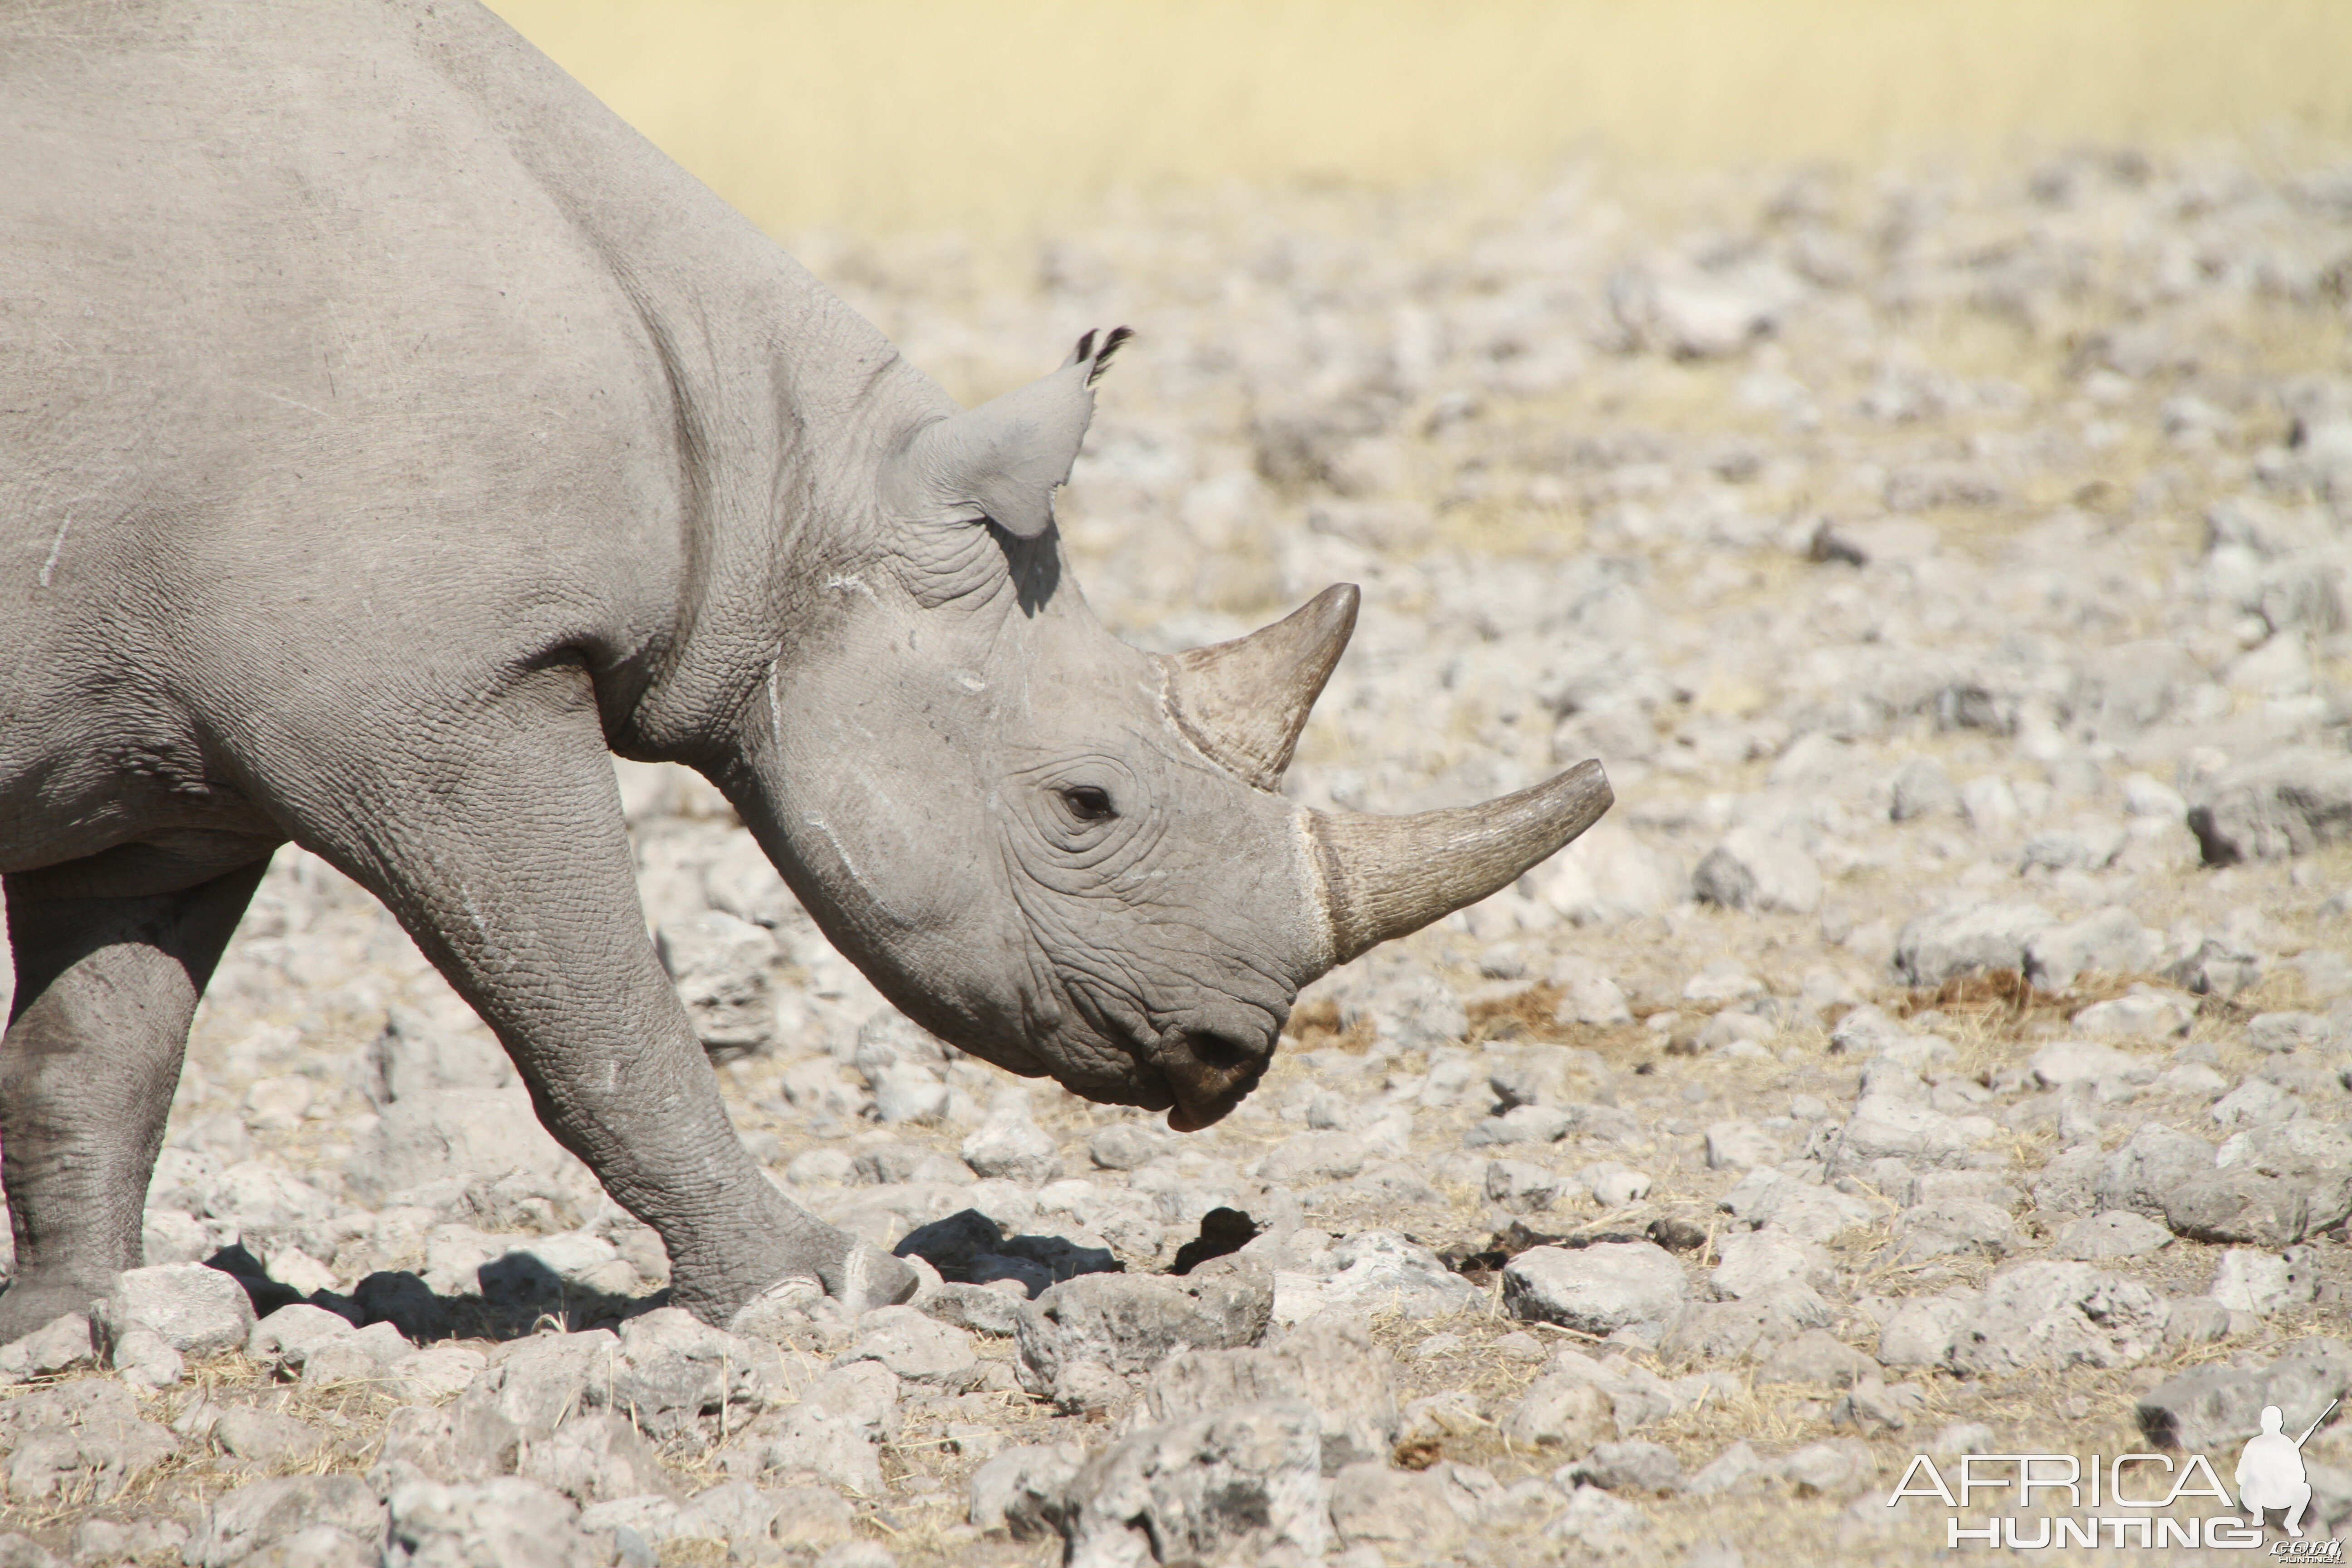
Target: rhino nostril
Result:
[1221, 1052]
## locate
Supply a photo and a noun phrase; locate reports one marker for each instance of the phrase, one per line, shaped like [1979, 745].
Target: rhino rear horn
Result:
[1244, 702]
[1003, 460]
[1384, 877]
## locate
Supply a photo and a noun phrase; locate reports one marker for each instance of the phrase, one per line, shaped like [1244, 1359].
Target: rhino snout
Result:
[1210, 1064]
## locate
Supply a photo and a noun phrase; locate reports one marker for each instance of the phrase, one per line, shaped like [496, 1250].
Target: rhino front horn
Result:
[1244, 702]
[1385, 877]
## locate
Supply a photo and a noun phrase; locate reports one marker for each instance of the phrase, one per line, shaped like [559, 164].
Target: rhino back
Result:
[307, 375]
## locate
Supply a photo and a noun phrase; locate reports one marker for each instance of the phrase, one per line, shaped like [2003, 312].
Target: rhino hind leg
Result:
[106, 988]
[521, 889]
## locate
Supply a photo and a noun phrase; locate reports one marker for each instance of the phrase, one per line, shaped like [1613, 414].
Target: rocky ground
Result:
[1941, 1048]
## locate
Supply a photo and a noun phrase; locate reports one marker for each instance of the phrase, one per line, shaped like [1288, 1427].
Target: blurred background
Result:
[889, 115]
[1583, 333]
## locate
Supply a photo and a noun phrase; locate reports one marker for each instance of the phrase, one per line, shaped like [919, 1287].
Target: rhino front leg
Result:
[105, 991]
[508, 864]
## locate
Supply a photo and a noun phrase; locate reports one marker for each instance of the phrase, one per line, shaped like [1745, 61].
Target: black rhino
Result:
[387, 435]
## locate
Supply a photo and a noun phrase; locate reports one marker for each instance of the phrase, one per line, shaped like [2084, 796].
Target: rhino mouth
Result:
[1197, 1067]
[1207, 1073]
[1195, 1117]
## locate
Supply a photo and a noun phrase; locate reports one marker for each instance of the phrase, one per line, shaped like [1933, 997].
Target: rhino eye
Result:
[1089, 804]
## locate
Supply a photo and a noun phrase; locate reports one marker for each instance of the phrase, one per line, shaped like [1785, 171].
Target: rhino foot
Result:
[856, 1276]
[34, 1302]
[861, 1280]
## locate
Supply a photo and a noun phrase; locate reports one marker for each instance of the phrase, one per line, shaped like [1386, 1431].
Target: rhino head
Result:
[1057, 852]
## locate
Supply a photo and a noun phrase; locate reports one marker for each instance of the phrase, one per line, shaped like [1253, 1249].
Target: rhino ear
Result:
[1003, 460]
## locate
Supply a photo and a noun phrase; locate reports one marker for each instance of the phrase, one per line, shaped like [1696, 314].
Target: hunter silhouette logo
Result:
[2270, 1471]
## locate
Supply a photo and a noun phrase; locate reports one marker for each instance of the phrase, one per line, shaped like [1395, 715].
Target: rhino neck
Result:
[784, 403]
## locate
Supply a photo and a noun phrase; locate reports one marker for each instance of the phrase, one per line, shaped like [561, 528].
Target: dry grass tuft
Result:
[1316, 1026]
[2004, 999]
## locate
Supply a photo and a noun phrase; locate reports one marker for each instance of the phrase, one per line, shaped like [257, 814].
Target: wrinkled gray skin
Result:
[388, 434]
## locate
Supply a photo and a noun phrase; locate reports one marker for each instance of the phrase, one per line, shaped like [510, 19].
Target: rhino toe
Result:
[868, 1278]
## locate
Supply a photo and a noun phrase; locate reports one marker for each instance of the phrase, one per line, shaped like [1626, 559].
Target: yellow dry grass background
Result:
[999, 116]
